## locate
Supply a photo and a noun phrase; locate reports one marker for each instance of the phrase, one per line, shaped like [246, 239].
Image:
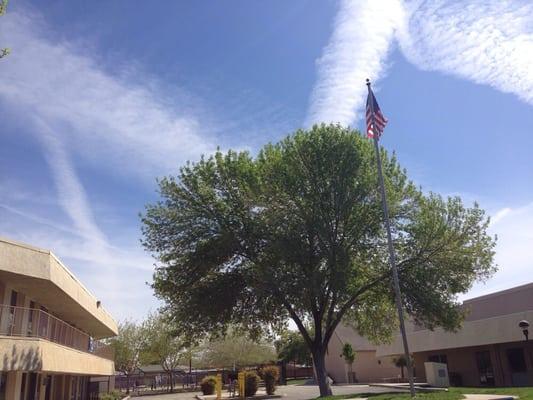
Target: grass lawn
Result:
[296, 381]
[525, 393]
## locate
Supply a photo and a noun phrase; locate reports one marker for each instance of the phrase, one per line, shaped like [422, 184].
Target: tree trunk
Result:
[128, 384]
[319, 362]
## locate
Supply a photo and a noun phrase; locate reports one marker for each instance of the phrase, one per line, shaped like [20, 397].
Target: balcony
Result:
[34, 323]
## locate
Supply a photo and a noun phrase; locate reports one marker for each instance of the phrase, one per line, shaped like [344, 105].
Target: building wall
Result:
[463, 363]
[49, 298]
[367, 367]
[41, 274]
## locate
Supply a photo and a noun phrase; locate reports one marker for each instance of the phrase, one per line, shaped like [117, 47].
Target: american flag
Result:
[374, 123]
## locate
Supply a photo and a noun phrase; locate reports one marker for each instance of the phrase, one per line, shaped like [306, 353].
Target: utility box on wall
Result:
[437, 374]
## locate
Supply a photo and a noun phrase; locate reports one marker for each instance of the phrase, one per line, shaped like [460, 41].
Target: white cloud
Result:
[489, 42]
[77, 110]
[122, 123]
[71, 194]
[363, 31]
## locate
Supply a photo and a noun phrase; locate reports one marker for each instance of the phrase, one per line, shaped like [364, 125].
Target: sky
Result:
[98, 99]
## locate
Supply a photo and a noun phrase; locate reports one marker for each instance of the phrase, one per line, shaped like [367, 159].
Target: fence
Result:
[32, 322]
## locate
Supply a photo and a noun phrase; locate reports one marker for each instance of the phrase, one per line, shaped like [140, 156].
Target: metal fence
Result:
[32, 322]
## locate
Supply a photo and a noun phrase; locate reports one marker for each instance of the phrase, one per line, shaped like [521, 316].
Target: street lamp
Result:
[524, 325]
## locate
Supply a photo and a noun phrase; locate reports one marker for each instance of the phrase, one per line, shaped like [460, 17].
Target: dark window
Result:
[438, 358]
[30, 318]
[14, 296]
[484, 367]
[3, 378]
[23, 385]
[517, 362]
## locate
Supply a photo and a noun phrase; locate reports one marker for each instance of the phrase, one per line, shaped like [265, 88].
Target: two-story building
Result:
[50, 326]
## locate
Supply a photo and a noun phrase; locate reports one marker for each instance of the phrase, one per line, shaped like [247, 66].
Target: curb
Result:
[257, 397]
[406, 388]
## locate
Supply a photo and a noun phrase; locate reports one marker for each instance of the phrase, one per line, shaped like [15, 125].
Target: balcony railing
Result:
[31, 322]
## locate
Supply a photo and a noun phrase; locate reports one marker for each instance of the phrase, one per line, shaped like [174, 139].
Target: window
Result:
[438, 358]
[484, 367]
[30, 318]
[3, 378]
[13, 304]
[517, 362]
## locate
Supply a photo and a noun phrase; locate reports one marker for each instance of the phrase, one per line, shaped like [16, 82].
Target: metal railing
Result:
[32, 322]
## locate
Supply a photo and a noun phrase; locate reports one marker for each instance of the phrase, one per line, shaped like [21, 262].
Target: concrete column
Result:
[14, 380]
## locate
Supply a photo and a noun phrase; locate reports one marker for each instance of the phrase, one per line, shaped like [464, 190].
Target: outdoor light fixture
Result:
[524, 325]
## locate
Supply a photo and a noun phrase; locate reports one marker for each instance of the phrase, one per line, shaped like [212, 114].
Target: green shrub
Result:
[208, 384]
[251, 383]
[270, 375]
[114, 395]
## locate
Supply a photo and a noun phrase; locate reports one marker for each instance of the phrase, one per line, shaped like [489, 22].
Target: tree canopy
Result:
[235, 350]
[297, 232]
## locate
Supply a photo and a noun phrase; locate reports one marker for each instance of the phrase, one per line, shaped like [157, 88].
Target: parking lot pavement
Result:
[169, 396]
[306, 392]
[289, 392]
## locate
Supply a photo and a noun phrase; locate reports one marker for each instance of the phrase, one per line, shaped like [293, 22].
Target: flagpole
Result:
[392, 258]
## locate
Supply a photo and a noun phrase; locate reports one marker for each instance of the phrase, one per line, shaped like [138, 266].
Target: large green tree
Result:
[297, 232]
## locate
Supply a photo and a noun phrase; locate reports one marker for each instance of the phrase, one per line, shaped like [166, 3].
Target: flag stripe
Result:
[375, 120]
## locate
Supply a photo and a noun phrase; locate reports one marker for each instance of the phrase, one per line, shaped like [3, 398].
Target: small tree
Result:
[129, 348]
[349, 357]
[401, 362]
[235, 350]
[164, 346]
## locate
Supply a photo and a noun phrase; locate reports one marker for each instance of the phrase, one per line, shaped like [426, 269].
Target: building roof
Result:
[43, 277]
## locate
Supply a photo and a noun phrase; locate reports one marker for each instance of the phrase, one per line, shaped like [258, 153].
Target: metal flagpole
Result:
[392, 258]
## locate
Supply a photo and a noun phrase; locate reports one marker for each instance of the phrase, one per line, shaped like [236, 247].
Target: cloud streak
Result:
[489, 42]
[361, 39]
[122, 123]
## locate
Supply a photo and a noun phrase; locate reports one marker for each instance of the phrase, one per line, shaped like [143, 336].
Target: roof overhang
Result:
[41, 275]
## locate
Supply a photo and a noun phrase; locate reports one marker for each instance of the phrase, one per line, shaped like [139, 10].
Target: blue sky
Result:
[97, 99]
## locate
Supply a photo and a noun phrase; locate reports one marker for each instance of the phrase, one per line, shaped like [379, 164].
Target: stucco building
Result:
[49, 330]
[367, 366]
[489, 349]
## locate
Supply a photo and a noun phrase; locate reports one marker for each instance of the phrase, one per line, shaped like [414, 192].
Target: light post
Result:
[524, 325]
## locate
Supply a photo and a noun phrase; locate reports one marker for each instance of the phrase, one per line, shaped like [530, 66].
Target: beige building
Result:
[367, 367]
[490, 349]
[49, 330]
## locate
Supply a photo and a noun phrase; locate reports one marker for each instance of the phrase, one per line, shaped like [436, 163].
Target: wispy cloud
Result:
[124, 123]
[358, 47]
[66, 99]
[489, 42]
[71, 193]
